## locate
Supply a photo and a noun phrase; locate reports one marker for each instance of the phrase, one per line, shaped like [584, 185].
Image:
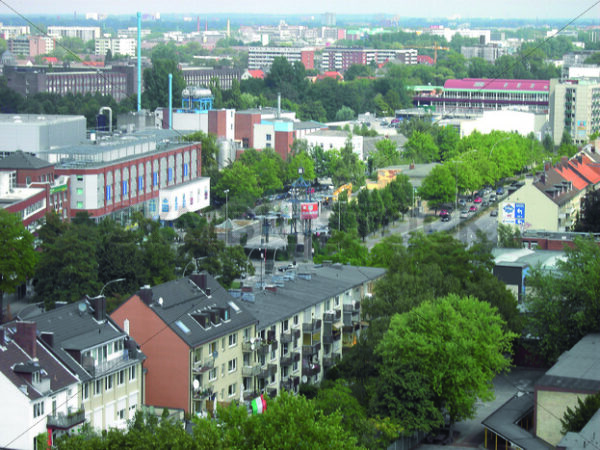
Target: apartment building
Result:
[39, 392]
[117, 46]
[340, 59]
[196, 76]
[103, 357]
[488, 52]
[262, 57]
[193, 334]
[575, 108]
[30, 45]
[307, 317]
[83, 33]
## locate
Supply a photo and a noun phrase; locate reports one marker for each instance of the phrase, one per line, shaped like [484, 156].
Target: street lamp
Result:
[111, 282]
[226, 191]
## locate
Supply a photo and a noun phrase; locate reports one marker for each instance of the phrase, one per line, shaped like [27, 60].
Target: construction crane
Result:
[435, 47]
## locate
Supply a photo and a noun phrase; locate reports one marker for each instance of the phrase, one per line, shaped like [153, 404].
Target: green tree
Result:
[509, 236]
[344, 114]
[156, 84]
[210, 149]
[421, 148]
[68, 268]
[576, 418]
[344, 248]
[449, 350]
[346, 167]
[242, 184]
[19, 258]
[385, 155]
[564, 305]
[439, 186]
[300, 160]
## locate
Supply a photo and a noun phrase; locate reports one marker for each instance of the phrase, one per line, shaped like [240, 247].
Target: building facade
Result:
[475, 95]
[195, 76]
[198, 357]
[117, 46]
[262, 57]
[83, 33]
[118, 176]
[341, 59]
[575, 109]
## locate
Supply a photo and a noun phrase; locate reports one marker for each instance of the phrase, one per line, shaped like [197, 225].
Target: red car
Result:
[477, 200]
[473, 208]
[443, 212]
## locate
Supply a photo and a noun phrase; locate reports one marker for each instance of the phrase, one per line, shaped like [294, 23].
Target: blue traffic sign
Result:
[519, 210]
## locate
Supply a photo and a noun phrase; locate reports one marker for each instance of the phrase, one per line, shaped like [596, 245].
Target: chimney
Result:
[145, 294]
[99, 305]
[207, 290]
[48, 338]
[580, 159]
[199, 280]
[25, 337]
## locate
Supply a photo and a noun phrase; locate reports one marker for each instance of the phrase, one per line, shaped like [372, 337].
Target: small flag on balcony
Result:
[259, 405]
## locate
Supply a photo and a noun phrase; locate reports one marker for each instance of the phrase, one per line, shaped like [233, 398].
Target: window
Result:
[212, 374]
[337, 300]
[155, 178]
[212, 348]
[36, 377]
[121, 377]
[121, 414]
[170, 174]
[268, 137]
[273, 354]
[79, 205]
[108, 192]
[231, 390]
[125, 185]
[108, 383]
[86, 391]
[38, 409]
[98, 387]
[117, 346]
[132, 373]
[232, 339]
[232, 365]
[286, 325]
[296, 319]
[79, 177]
[140, 183]
[185, 169]
[79, 191]
[295, 366]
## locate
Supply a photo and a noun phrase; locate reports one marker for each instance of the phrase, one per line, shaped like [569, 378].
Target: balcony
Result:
[125, 359]
[286, 360]
[247, 346]
[329, 317]
[329, 361]
[62, 421]
[327, 338]
[312, 327]
[272, 392]
[203, 392]
[251, 371]
[286, 338]
[311, 369]
[309, 350]
[204, 365]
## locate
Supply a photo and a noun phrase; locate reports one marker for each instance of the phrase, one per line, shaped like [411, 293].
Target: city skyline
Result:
[429, 9]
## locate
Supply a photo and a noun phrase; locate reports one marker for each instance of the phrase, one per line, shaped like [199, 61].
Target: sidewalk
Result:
[400, 227]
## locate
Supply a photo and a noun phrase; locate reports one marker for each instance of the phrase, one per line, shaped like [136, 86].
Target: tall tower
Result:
[228, 28]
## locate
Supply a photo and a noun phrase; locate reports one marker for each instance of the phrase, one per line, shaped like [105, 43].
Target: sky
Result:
[527, 9]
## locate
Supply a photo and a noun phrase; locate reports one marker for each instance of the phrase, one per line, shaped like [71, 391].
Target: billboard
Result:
[513, 213]
[309, 210]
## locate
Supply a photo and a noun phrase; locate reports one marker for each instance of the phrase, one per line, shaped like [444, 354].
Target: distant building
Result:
[197, 76]
[117, 46]
[488, 52]
[31, 45]
[328, 19]
[119, 81]
[262, 57]
[575, 108]
[342, 58]
[83, 33]
[10, 32]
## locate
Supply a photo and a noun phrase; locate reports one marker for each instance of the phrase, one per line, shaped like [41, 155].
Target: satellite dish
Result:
[304, 378]
[252, 346]
[160, 301]
[196, 384]
[252, 340]
[82, 308]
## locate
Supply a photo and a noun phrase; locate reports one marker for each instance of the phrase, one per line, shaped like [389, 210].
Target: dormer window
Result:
[36, 377]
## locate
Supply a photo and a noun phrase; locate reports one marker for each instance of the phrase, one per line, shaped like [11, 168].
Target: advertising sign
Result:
[513, 213]
[309, 210]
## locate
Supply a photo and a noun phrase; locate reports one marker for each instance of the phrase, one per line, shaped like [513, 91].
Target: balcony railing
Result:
[204, 365]
[203, 393]
[112, 365]
[286, 338]
[311, 369]
[311, 349]
[65, 421]
[251, 371]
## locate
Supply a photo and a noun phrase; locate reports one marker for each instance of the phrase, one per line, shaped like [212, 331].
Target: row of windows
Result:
[107, 383]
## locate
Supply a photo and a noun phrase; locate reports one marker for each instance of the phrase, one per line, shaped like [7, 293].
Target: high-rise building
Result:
[262, 57]
[574, 108]
[328, 19]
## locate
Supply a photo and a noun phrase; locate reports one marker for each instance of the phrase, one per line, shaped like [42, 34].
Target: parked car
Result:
[462, 202]
[500, 190]
[473, 208]
[446, 217]
[494, 213]
[477, 200]
[484, 204]
[469, 198]
[464, 214]
[493, 198]
[443, 212]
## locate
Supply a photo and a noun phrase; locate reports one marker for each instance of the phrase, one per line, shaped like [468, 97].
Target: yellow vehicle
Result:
[345, 187]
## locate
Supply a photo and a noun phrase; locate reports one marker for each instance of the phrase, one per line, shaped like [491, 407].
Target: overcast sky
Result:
[540, 9]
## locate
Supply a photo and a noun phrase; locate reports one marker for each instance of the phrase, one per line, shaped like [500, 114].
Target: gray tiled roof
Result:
[182, 297]
[22, 160]
[325, 282]
[552, 177]
[75, 330]
[14, 356]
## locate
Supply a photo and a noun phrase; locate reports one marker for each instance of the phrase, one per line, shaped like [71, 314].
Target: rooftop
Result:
[21, 160]
[298, 289]
[578, 367]
[490, 84]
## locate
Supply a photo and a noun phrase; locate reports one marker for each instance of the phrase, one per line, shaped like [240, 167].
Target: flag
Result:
[259, 405]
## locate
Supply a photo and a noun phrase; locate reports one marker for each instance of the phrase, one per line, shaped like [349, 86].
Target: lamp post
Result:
[111, 282]
[226, 191]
